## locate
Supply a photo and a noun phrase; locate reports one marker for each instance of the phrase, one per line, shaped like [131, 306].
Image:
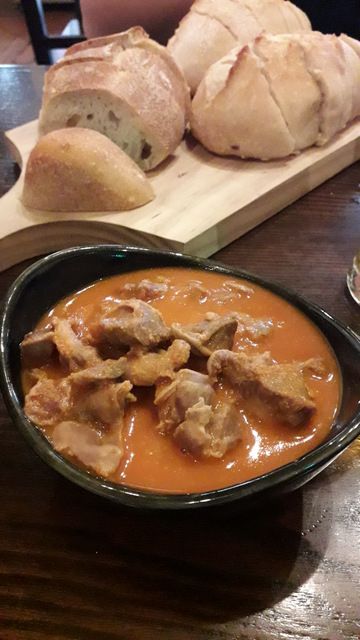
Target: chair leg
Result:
[36, 25]
[78, 14]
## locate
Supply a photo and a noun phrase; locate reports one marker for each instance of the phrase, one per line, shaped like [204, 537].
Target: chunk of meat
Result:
[212, 333]
[37, 348]
[48, 402]
[315, 366]
[51, 401]
[192, 434]
[145, 289]
[232, 364]
[105, 404]
[32, 376]
[196, 291]
[105, 370]
[280, 386]
[145, 369]
[208, 432]
[132, 322]
[238, 287]
[72, 351]
[84, 444]
[225, 429]
[175, 398]
[255, 327]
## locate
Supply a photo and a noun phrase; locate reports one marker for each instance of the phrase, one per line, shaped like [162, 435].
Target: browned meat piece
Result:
[315, 366]
[145, 369]
[83, 443]
[192, 434]
[48, 402]
[174, 399]
[196, 291]
[51, 401]
[72, 351]
[254, 327]
[105, 370]
[32, 376]
[238, 287]
[225, 429]
[208, 432]
[145, 290]
[231, 364]
[132, 322]
[214, 332]
[105, 404]
[37, 348]
[280, 386]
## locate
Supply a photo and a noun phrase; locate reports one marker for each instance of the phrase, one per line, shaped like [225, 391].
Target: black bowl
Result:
[56, 276]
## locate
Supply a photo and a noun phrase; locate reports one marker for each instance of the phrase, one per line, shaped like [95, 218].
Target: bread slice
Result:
[111, 47]
[131, 38]
[212, 28]
[82, 170]
[278, 95]
[124, 86]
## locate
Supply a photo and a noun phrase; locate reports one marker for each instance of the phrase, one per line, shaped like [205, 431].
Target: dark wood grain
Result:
[76, 568]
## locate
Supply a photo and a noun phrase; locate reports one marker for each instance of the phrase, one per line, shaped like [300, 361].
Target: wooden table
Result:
[76, 568]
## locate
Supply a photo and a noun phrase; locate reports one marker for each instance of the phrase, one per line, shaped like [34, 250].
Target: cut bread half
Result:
[82, 170]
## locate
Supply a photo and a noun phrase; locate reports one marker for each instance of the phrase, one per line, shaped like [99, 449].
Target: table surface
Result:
[75, 567]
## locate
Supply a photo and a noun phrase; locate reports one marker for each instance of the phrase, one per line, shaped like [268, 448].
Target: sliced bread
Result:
[124, 86]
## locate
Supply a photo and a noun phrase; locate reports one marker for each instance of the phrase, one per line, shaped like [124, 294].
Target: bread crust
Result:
[82, 170]
[134, 71]
[110, 48]
[292, 86]
[326, 63]
[234, 112]
[277, 96]
[190, 45]
[207, 32]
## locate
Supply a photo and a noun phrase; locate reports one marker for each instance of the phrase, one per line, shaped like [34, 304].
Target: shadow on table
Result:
[88, 563]
[190, 566]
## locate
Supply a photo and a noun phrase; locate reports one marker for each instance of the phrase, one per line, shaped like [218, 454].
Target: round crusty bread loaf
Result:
[82, 170]
[211, 29]
[277, 96]
[125, 86]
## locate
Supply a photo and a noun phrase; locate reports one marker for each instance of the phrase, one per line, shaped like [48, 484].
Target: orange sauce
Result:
[153, 461]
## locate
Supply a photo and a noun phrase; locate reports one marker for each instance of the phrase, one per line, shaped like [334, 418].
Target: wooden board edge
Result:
[49, 237]
[14, 135]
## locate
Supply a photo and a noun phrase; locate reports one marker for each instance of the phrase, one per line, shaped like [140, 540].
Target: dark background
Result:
[333, 16]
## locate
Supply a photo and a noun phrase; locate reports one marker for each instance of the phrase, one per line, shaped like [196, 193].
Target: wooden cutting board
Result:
[202, 202]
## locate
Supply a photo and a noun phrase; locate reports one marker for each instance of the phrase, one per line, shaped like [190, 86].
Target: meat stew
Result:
[179, 380]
